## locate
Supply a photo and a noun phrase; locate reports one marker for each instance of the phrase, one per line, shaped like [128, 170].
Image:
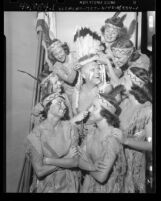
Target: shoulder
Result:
[37, 131]
[34, 140]
[112, 144]
[57, 66]
[143, 61]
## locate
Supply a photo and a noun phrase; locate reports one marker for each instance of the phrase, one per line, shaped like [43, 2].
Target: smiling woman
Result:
[102, 151]
[54, 139]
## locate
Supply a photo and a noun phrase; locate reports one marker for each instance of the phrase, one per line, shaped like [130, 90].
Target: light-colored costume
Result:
[42, 145]
[97, 148]
[134, 119]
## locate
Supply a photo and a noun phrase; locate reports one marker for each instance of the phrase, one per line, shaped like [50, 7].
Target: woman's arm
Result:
[105, 167]
[68, 161]
[142, 145]
[62, 162]
[64, 75]
[41, 170]
[74, 96]
[79, 117]
[101, 168]
[109, 69]
[138, 145]
[132, 143]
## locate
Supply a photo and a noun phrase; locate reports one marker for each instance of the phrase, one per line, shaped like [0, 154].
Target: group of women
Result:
[92, 132]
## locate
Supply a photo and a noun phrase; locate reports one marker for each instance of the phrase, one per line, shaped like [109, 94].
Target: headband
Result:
[106, 104]
[125, 51]
[50, 98]
[134, 78]
[54, 45]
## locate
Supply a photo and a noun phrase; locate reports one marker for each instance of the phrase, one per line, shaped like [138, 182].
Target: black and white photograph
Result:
[79, 101]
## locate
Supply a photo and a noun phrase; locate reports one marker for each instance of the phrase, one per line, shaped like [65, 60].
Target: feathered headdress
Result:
[115, 20]
[118, 22]
[87, 43]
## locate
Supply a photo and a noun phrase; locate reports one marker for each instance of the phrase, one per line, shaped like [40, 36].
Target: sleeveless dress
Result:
[134, 119]
[95, 149]
[61, 180]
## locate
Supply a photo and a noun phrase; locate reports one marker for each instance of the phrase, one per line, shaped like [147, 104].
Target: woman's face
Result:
[59, 53]
[111, 33]
[120, 58]
[92, 72]
[95, 111]
[58, 107]
[56, 84]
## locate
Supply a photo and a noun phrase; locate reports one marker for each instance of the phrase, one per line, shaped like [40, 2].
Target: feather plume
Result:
[132, 28]
[116, 15]
[86, 41]
[29, 75]
[123, 18]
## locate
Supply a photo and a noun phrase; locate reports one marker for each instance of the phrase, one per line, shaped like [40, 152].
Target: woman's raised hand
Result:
[80, 117]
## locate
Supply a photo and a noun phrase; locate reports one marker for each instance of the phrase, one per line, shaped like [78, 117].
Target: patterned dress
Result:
[96, 148]
[43, 145]
[134, 119]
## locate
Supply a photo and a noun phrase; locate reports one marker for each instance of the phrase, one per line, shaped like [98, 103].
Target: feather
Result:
[86, 41]
[116, 15]
[132, 28]
[123, 18]
[29, 75]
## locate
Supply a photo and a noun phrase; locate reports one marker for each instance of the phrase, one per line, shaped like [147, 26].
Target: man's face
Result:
[111, 33]
[91, 72]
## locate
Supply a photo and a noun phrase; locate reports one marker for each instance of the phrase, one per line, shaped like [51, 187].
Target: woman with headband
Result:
[136, 126]
[113, 29]
[101, 154]
[63, 64]
[123, 56]
[52, 148]
[50, 84]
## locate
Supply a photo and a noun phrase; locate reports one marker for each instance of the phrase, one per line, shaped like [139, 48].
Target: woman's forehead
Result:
[110, 26]
[58, 99]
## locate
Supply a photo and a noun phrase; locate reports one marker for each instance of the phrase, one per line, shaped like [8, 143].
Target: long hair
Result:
[111, 96]
[44, 113]
[141, 73]
[142, 95]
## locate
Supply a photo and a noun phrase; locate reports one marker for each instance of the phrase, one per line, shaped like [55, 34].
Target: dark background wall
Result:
[21, 52]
